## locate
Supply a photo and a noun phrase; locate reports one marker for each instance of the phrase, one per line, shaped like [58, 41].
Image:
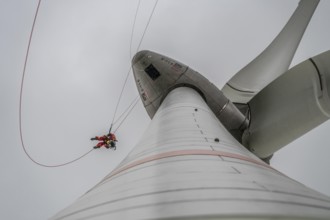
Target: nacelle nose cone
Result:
[138, 56]
[155, 75]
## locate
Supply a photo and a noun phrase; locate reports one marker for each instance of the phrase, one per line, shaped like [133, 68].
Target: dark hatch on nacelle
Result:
[152, 72]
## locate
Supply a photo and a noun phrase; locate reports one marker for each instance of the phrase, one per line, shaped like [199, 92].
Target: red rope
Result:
[20, 104]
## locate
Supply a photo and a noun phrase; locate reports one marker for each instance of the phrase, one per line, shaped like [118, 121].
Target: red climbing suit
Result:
[106, 140]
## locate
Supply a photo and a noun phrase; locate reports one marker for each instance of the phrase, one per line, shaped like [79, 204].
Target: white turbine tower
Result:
[205, 153]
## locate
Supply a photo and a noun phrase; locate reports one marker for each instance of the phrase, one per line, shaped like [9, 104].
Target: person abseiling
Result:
[108, 141]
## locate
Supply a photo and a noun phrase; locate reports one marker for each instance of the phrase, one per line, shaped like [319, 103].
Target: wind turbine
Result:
[206, 151]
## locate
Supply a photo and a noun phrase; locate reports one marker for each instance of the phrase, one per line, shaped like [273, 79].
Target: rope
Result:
[127, 75]
[136, 102]
[123, 87]
[118, 101]
[20, 104]
[122, 114]
[128, 110]
[145, 30]
[133, 28]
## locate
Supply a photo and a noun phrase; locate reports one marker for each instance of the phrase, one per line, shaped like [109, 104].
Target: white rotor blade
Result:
[274, 60]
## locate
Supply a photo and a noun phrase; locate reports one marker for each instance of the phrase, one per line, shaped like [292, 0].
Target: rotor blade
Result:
[274, 60]
[290, 106]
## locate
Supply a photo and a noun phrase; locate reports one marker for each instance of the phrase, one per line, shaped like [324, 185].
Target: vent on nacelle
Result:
[152, 72]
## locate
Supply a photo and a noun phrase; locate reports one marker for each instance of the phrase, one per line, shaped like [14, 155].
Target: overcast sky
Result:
[79, 56]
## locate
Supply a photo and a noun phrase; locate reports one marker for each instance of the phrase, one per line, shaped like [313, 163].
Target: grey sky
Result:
[78, 61]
